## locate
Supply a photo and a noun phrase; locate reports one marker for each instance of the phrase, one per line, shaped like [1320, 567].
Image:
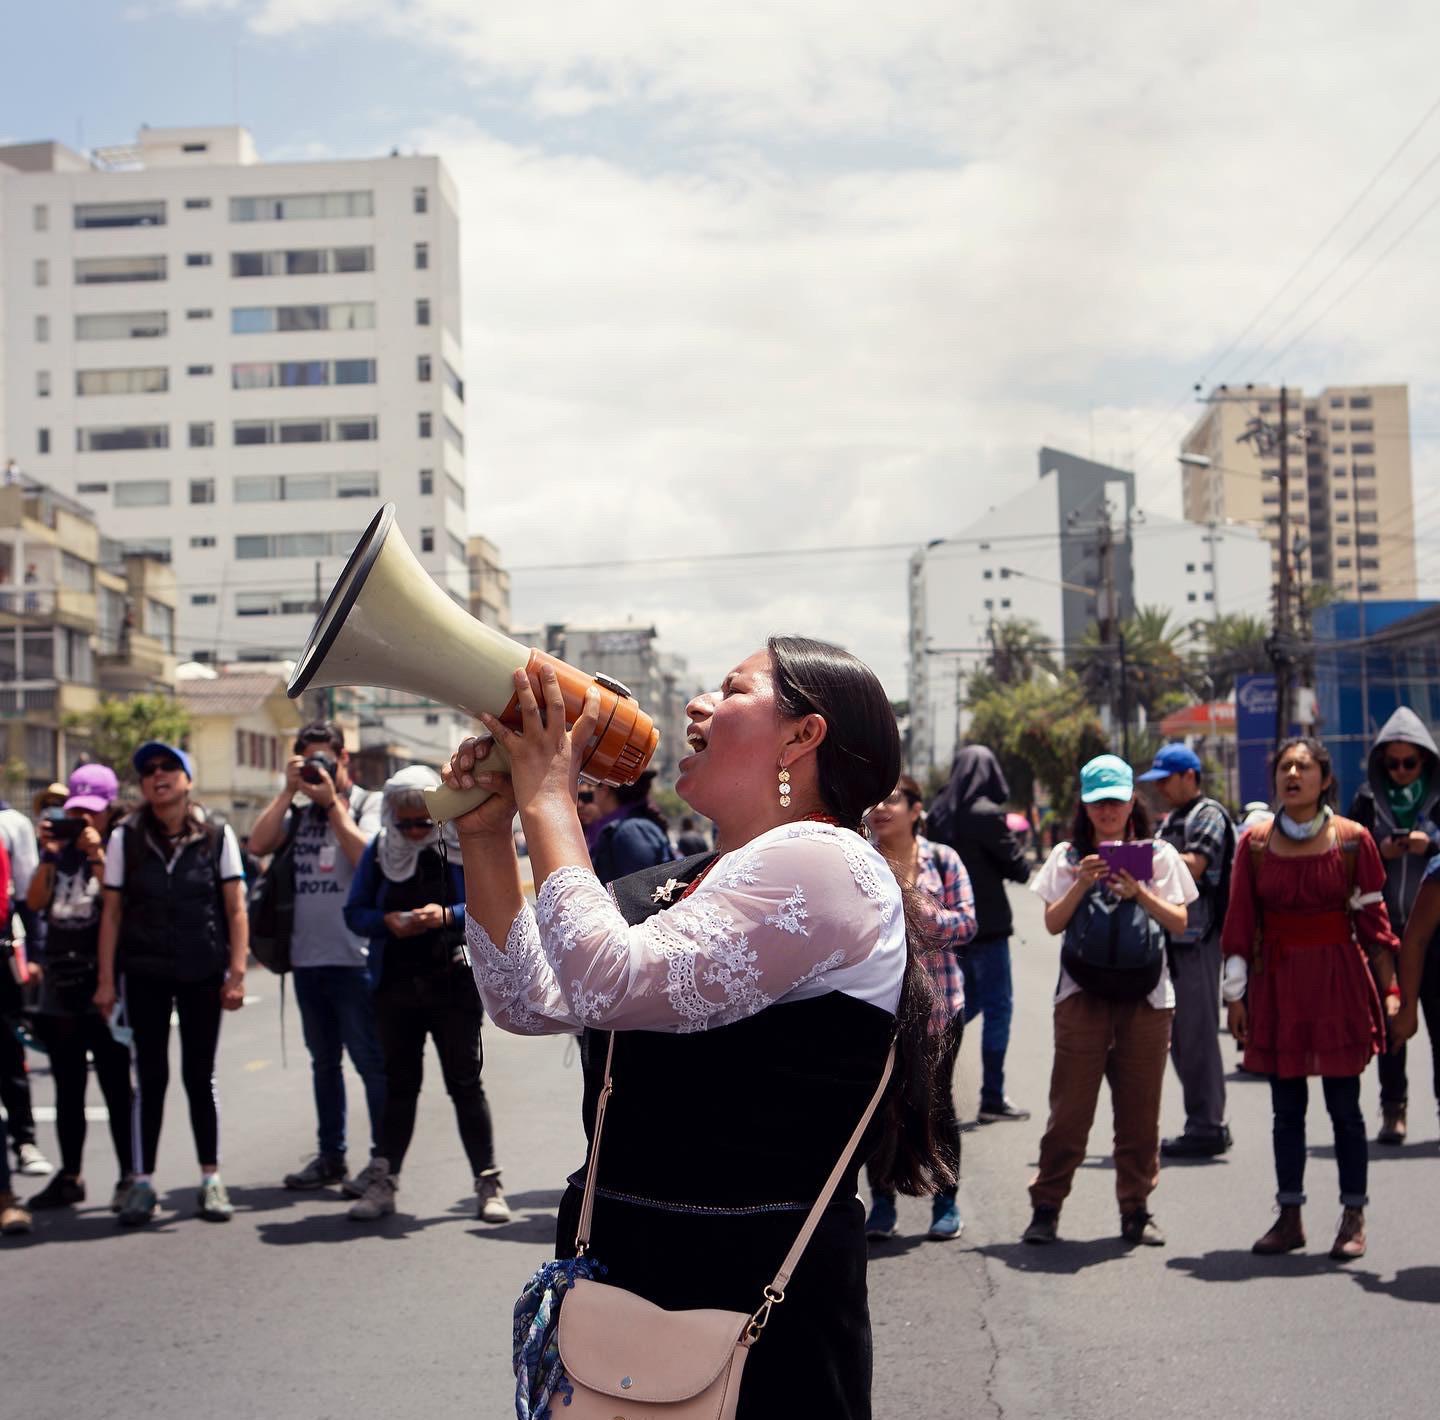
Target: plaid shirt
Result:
[1199, 827]
[950, 908]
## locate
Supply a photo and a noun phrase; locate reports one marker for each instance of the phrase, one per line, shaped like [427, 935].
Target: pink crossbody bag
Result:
[628, 1359]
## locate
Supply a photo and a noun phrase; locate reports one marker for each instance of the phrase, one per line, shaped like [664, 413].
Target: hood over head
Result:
[1404, 725]
[976, 775]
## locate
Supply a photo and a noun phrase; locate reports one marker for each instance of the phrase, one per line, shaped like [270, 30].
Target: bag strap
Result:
[775, 1292]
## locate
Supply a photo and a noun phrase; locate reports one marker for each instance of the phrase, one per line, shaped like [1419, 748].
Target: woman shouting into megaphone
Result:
[750, 996]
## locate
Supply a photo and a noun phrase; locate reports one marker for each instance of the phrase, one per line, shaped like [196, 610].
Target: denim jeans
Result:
[337, 1012]
[990, 993]
[1342, 1099]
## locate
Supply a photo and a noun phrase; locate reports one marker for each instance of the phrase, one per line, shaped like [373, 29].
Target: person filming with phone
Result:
[330, 963]
[1112, 897]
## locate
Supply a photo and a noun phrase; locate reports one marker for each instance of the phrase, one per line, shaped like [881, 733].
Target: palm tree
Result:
[1231, 646]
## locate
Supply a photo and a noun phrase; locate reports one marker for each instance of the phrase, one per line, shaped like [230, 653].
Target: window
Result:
[142, 493]
[202, 490]
[354, 372]
[262, 320]
[427, 482]
[455, 489]
[199, 313]
[109, 270]
[349, 431]
[1344, 563]
[1189, 566]
[40, 217]
[453, 434]
[197, 258]
[1337, 450]
[196, 204]
[305, 431]
[42, 271]
[156, 547]
[425, 424]
[203, 599]
[1342, 517]
[200, 369]
[1365, 495]
[1367, 517]
[42, 329]
[202, 436]
[1191, 597]
[301, 207]
[204, 540]
[1362, 426]
[119, 214]
[1360, 449]
[422, 199]
[422, 369]
[422, 312]
[299, 544]
[1360, 401]
[42, 441]
[150, 379]
[108, 438]
[346, 259]
[1337, 426]
[158, 620]
[194, 147]
[422, 256]
[84, 488]
[453, 382]
[1364, 470]
[457, 551]
[1341, 494]
[1337, 402]
[42, 384]
[302, 261]
[427, 539]
[76, 573]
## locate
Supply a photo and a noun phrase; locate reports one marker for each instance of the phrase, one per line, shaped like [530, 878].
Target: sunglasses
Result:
[415, 825]
[586, 796]
[159, 766]
[1411, 761]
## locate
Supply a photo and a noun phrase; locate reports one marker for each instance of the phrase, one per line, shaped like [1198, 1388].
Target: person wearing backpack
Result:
[330, 964]
[174, 936]
[1199, 829]
[1114, 1001]
[1400, 805]
[1306, 907]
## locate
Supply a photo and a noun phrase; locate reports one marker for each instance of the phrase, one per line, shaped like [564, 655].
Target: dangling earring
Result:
[784, 788]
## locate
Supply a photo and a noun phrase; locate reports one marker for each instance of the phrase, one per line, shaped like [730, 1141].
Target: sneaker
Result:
[139, 1205]
[945, 1220]
[14, 1215]
[1001, 1111]
[355, 1187]
[1197, 1146]
[379, 1197]
[123, 1186]
[61, 1192]
[30, 1161]
[212, 1202]
[883, 1221]
[320, 1172]
[490, 1204]
[1139, 1229]
[1044, 1227]
[1392, 1126]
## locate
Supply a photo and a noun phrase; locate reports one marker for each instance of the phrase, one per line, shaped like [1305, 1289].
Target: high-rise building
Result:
[235, 362]
[1351, 500]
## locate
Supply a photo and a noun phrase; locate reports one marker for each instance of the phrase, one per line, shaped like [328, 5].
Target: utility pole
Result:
[1110, 631]
[1360, 607]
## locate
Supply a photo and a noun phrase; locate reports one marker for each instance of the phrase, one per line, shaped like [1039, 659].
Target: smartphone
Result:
[1137, 859]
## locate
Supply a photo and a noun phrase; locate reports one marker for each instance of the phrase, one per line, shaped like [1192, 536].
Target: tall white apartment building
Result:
[235, 362]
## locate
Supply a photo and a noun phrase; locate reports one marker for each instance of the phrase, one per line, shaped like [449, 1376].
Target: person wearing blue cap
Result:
[174, 937]
[1111, 896]
[1199, 829]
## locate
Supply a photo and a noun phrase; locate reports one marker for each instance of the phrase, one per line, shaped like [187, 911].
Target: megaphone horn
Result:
[387, 624]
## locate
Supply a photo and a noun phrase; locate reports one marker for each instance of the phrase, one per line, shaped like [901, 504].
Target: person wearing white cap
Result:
[1112, 897]
[65, 894]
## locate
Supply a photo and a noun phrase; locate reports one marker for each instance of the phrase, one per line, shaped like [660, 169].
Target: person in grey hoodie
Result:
[1400, 805]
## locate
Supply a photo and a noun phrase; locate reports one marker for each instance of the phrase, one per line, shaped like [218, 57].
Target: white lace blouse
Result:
[802, 910]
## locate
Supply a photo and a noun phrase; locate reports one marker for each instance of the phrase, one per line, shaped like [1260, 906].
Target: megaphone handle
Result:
[446, 804]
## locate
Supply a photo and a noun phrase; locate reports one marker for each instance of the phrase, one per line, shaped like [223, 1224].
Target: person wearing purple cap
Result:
[65, 893]
[1200, 831]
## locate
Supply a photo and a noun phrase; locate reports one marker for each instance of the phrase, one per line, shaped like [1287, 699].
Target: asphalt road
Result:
[292, 1312]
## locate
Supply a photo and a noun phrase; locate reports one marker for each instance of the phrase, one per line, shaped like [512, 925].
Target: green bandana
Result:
[1405, 803]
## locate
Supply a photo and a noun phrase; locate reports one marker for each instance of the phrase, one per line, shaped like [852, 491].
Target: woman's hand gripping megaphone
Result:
[542, 757]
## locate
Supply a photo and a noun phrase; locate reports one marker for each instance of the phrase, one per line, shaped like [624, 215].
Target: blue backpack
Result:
[1113, 948]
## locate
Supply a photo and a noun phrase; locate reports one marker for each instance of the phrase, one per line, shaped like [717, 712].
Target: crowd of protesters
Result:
[1289, 922]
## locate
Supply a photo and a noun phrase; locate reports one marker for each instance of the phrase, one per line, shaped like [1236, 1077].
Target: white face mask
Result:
[1302, 832]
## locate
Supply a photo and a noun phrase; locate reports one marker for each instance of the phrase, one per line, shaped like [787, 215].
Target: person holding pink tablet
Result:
[1111, 895]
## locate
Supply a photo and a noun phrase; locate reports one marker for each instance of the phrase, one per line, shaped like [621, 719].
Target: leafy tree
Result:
[1230, 646]
[115, 729]
[1018, 653]
[1042, 731]
[1157, 675]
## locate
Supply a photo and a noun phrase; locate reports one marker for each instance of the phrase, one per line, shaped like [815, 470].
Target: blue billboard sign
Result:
[1256, 701]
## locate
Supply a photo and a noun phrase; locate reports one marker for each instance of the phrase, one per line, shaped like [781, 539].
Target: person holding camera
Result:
[330, 963]
[410, 903]
[174, 938]
[65, 895]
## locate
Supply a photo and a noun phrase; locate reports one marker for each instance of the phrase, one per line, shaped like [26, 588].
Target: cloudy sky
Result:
[786, 277]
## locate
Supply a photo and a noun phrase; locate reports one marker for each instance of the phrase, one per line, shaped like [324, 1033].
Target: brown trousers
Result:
[1126, 1043]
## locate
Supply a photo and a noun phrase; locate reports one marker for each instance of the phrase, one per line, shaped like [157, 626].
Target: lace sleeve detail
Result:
[516, 986]
[795, 905]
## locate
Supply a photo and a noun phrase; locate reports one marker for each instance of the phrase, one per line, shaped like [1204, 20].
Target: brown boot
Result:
[1392, 1125]
[14, 1215]
[1287, 1235]
[1350, 1240]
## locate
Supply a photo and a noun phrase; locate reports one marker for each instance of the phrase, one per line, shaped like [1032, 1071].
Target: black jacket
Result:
[969, 815]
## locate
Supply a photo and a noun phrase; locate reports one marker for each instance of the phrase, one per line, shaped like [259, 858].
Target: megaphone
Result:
[387, 624]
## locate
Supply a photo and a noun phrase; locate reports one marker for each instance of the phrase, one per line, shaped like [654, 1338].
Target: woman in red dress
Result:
[1305, 909]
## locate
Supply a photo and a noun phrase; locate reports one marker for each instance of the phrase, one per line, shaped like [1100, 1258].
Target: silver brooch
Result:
[666, 891]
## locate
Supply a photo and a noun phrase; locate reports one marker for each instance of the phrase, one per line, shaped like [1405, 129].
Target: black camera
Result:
[63, 828]
[310, 770]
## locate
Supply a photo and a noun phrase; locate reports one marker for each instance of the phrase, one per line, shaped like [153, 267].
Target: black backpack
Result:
[271, 905]
[1219, 896]
[1113, 948]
